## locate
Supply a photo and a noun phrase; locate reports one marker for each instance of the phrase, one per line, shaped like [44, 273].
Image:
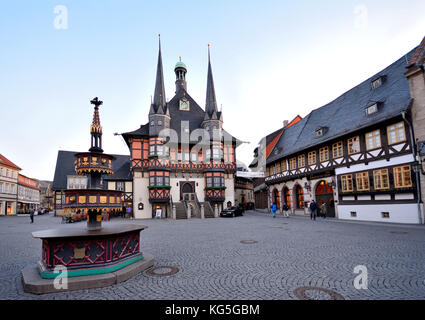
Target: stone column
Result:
[174, 212]
[202, 211]
[189, 214]
[215, 211]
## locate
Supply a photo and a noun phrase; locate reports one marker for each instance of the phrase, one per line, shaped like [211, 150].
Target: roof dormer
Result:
[377, 82]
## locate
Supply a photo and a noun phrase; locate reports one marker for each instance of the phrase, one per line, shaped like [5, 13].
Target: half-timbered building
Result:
[179, 174]
[354, 154]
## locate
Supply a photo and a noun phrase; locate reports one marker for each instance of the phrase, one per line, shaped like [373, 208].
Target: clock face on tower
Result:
[184, 105]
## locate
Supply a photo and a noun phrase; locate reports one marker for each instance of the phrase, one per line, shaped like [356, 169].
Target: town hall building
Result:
[183, 161]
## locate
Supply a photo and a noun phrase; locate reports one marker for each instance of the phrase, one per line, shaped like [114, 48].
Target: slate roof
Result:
[347, 113]
[195, 117]
[65, 167]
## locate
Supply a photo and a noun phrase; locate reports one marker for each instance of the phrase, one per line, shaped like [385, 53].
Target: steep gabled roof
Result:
[347, 113]
[7, 162]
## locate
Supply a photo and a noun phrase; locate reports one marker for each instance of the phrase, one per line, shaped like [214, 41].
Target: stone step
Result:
[180, 211]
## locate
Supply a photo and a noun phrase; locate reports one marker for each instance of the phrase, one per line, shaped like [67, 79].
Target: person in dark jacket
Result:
[313, 210]
[32, 215]
[285, 209]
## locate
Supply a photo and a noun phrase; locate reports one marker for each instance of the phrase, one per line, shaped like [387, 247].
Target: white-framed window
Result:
[354, 145]
[337, 150]
[312, 158]
[324, 154]
[396, 133]
[381, 179]
[373, 140]
[403, 177]
[372, 109]
[362, 179]
[347, 183]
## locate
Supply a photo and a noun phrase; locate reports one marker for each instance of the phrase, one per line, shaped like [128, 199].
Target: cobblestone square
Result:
[213, 263]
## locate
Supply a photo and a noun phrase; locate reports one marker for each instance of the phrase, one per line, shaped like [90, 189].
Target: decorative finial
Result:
[96, 102]
[159, 35]
[180, 57]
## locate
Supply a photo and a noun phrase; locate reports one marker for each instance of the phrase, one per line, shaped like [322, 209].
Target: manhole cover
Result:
[248, 241]
[162, 271]
[399, 232]
[317, 293]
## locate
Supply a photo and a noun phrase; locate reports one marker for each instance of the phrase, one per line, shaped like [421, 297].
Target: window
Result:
[362, 180]
[209, 182]
[354, 145]
[293, 164]
[120, 186]
[347, 183]
[215, 180]
[267, 171]
[1, 187]
[381, 179]
[337, 150]
[319, 132]
[353, 214]
[402, 177]
[1, 171]
[284, 166]
[377, 83]
[396, 133]
[324, 154]
[300, 197]
[278, 167]
[311, 158]
[301, 161]
[385, 215]
[373, 140]
[372, 109]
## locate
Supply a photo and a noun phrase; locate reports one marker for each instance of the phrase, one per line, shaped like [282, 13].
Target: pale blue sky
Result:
[271, 61]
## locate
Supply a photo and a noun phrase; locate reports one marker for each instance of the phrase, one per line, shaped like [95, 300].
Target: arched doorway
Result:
[324, 194]
[188, 191]
[286, 194]
[276, 198]
[299, 197]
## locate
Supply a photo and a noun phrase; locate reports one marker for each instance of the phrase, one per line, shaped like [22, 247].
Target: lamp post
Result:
[418, 167]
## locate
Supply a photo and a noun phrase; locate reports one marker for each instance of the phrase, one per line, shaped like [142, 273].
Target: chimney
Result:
[285, 123]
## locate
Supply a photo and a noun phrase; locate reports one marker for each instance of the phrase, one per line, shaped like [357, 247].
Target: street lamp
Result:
[417, 167]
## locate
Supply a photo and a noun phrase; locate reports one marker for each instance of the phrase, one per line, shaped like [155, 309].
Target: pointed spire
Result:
[96, 128]
[211, 102]
[159, 95]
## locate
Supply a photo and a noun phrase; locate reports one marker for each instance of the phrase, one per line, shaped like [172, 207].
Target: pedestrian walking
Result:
[285, 209]
[32, 215]
[323, 210]
[313, 210]
[274, 209]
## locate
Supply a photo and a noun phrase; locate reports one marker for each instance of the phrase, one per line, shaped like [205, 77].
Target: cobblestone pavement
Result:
[214, 264]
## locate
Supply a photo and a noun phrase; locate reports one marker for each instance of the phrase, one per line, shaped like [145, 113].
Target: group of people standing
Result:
[285, 210]
[313, 208]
